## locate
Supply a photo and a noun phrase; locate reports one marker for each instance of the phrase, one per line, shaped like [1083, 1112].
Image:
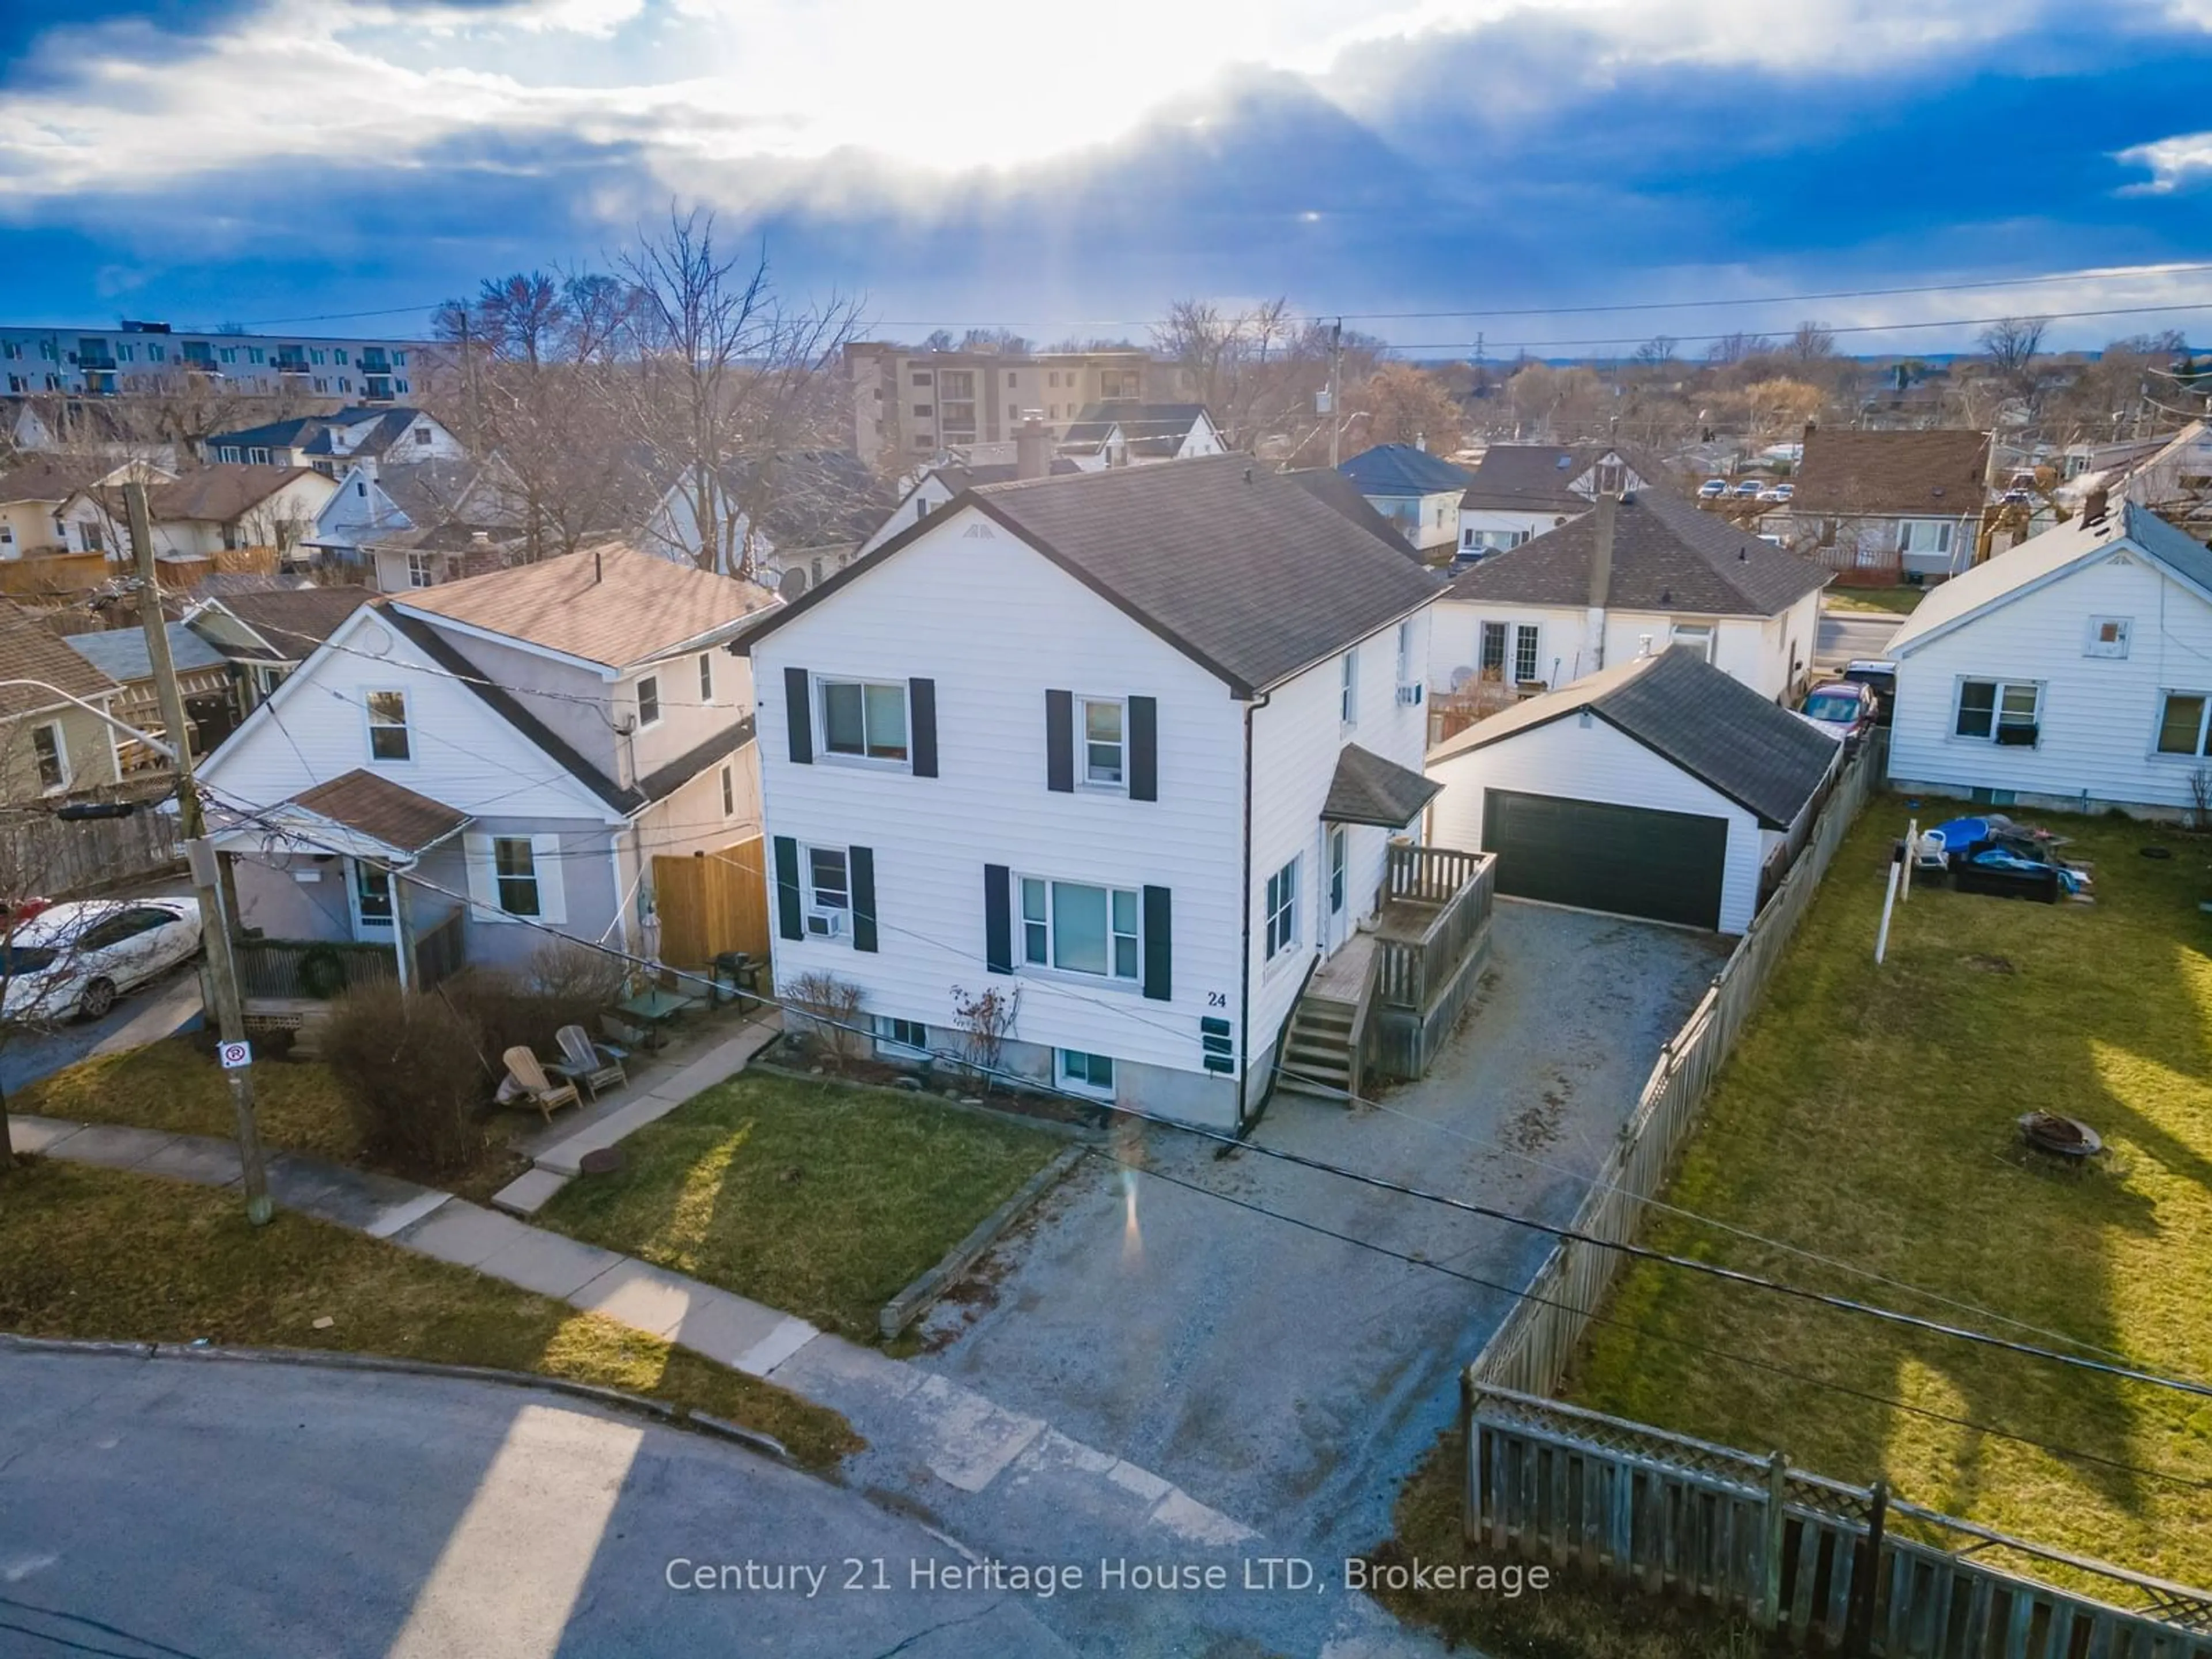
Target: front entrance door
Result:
[1335, 922]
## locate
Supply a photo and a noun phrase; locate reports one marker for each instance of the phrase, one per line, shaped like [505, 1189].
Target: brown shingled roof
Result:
[221, 492]
[30, 653]
[611, 604]
[51, 477]
[1940, 472]
[382, 809]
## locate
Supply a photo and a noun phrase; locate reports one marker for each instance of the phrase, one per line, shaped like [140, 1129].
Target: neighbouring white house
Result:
[265, 636]
[935, 487]
[1884, 506]
[209, 510]
[399, 527]
[1126, 433]
[1131, 747]
[2073, 671]
[1419, 492]
[2172, 476]
[1636, 574]
[330, 443]
[42, 500]
[1521, 491]
[1659, 787]
[791, 520]
[525, 742]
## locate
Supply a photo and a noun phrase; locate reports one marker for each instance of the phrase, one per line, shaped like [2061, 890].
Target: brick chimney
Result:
[1032, 448]
[480, 557]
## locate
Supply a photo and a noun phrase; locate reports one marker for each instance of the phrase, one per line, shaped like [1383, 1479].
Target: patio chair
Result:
[542, 1093]
[588, 1063]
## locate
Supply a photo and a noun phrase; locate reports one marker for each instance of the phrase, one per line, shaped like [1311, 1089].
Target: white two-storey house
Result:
[524, 742]
[1636, 574]
[1128, 745]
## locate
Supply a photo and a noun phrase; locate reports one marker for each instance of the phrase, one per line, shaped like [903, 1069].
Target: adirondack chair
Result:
[545, 1094]
[592, 1065]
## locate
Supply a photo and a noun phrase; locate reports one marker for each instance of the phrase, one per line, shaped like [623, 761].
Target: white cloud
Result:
[2174, 163]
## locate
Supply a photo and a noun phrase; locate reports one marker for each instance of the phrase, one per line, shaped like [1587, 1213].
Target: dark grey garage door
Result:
[1632, 859]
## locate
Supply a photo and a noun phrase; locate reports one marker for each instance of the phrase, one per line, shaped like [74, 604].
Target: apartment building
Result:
[907, 403]
[140, 356]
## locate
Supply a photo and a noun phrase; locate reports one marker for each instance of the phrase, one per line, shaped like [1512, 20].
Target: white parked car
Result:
[73, 959]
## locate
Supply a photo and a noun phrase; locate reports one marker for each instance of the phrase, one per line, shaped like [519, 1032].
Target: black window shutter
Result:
[998, 918]
[1144, 749]
[921, 711]
[786, 889]
[861, 867]
[1060, 741]
[1159, 946]
[798, 717]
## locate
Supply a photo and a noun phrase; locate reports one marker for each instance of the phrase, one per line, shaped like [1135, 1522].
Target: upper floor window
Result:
[422, 571]
[1103, 750]
[514, 866]
[51, 752]
[829, 881]
[1081, 929]
[1347, 695]
[1999, 711]
[388, 738]
[648, 701]
[2108, 636]
[729, 793]
[400, 360]
[1406, 653]
[863, 718]
[706, 677]
[2183, 721]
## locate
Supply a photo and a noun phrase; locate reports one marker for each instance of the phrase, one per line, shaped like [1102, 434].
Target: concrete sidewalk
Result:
[1006, 1482]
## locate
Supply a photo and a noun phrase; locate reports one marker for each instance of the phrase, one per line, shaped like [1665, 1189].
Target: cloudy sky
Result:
[1070, 169]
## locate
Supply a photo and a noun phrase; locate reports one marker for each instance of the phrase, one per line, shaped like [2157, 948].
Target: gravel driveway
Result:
[1289, 1377]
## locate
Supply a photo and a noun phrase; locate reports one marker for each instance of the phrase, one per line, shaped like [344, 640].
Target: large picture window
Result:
[1080, 928]
[865, 718]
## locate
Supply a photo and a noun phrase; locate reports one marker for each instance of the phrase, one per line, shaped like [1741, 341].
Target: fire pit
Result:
[2060, 1137]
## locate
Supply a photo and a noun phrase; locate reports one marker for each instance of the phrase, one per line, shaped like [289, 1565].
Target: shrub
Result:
[411, 1070]
[506, 1011]
[832, 1008]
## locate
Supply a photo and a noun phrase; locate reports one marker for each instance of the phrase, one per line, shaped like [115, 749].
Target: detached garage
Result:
[1661, 788]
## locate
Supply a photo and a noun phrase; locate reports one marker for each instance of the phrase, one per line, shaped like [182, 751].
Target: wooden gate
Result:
[712, 902]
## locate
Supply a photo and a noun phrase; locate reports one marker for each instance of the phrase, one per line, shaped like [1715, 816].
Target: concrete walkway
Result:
[1003, 1480]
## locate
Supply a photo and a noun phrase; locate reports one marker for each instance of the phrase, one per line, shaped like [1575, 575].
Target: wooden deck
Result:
[1344, 975]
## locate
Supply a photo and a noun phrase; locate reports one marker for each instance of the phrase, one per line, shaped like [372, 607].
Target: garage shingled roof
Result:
[1682, 708]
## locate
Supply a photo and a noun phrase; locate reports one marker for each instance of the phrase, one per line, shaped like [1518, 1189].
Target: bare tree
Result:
[1812, 343]
[1257, 371]
[2012, 343]
[1404, 405]
[1783, 406]
[1656, 353]
[728, 375]
[1735, 348]
[519, 315]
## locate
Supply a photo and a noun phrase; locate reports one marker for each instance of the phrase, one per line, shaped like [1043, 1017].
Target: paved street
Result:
[1844, 634]
[174, 1507]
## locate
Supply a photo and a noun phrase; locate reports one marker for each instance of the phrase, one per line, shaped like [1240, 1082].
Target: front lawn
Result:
[105, 1254]
[1869, 1113]
[818, 1199]
[1899, 601]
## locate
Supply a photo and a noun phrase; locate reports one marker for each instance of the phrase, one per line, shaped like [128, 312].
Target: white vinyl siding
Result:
[2100, 718]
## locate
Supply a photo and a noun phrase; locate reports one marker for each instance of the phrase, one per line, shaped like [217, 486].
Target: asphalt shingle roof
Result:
[1252, 574]
[1666, 555]
[1369, 789]
[121, 655]
[295, 620]
[1680, 707]
[220, 492]
[285, 434]
[1531, 476]
[51, 477]
[1939, 471]
[382, 809]
[1402, 470]
[32, 653]
[610, 604]
[1150, 429]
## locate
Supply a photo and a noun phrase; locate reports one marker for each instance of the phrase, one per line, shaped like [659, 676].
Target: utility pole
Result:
[215, 925]
[1335, 389]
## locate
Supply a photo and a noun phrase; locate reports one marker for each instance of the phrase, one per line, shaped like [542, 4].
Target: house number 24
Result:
[1217, 998]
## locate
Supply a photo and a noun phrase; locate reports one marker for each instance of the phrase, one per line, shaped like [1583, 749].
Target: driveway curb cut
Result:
[752, 1440]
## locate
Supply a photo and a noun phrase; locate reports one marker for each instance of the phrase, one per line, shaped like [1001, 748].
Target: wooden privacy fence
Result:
[1530, 1350]
[711, 902]
[54, 858]
[1827, 1565]
[1785, 1548]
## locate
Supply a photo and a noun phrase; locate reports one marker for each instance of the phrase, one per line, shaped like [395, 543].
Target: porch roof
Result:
[1369, 789]
[358, 813]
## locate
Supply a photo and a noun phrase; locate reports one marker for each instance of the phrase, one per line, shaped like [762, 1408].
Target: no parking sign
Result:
[235, 1055]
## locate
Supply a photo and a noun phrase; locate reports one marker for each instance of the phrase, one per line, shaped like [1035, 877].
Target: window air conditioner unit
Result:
[825, 924]
[1409, 694]
[2017, 737]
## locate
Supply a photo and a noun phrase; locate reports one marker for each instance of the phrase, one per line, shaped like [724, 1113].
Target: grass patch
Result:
[108, 1255]
[1868, 1114]
[1899, 601]
[175, 1085]
[822, 1200]
[1572, 1618]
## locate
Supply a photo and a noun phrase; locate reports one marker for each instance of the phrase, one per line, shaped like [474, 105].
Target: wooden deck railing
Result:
[281, 969]
[1416, 966]
[1428, 875]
